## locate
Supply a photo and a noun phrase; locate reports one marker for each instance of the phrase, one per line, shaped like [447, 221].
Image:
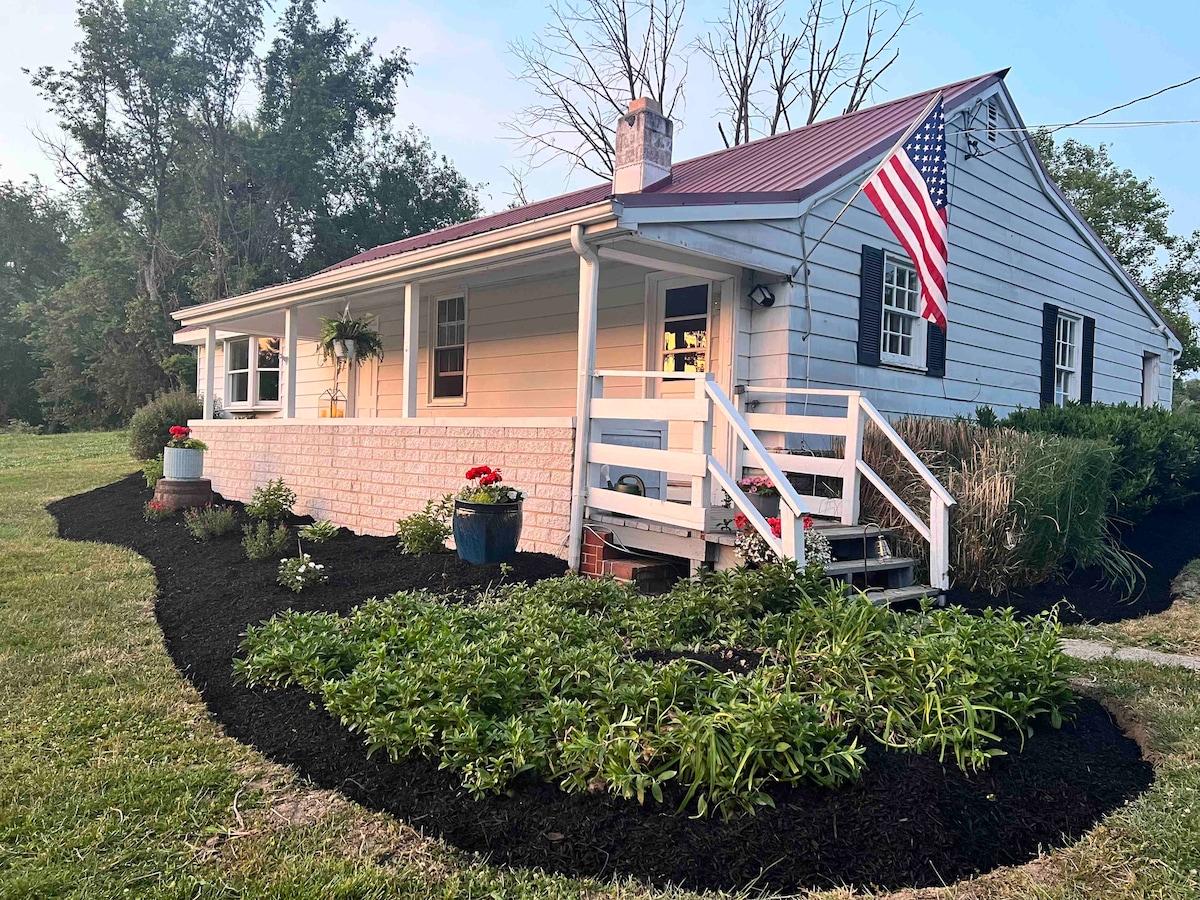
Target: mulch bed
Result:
[911, 821]
[1165, 541]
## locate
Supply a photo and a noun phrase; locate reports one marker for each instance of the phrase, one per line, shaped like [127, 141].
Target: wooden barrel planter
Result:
[486, 533]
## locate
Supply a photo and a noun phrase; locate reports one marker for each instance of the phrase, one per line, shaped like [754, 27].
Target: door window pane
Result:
[685, 329]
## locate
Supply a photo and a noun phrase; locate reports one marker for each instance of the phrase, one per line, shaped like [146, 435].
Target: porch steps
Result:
[888, 596]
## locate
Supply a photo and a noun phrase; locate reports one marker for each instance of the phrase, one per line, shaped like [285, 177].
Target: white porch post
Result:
[289, 362]
[589, 289]
[412, 319]
[210, 370]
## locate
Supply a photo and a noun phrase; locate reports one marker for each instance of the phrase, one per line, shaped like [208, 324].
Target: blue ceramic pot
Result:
[486, 532]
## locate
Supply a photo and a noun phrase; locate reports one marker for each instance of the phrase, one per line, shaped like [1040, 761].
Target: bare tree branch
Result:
[590, 62]
[737, 47]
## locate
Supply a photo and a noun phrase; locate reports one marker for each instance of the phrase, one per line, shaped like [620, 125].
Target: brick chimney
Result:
[644, 138]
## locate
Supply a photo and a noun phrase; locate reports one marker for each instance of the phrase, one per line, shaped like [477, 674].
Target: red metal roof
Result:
[787, 166]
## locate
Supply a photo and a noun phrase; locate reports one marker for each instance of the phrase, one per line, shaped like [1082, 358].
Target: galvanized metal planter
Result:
[183, 465]
[486, 533]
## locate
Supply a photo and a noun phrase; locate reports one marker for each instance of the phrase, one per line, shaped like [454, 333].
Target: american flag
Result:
[909, 190]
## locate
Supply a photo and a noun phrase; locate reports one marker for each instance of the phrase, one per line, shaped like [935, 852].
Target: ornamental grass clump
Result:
[552, 680]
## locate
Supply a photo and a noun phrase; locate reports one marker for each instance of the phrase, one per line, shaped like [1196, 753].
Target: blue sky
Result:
[1068, 59]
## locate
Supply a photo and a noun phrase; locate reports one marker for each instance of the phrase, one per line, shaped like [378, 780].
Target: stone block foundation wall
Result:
[364, 477]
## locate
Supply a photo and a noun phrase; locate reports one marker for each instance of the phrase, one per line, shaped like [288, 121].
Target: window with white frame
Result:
[902, 332]
[1066, 359]
[1151, 376]
[685, 328]
[450, 349]
[252, 371]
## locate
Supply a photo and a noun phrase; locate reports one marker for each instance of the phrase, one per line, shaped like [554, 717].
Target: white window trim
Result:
[251, 402]
[916, 361]
[1151, 378]
[1076, 368]
[431, 400]
[658, 318]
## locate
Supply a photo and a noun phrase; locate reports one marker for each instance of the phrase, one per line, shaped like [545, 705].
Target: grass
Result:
[114, 783]
[1175, 630]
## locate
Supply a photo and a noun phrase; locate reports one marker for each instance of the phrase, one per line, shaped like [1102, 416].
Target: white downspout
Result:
[589, 288]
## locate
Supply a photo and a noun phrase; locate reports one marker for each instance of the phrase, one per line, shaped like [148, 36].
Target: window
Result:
[252, 379]
[684, 345]
[1066, 359]
[450, 349]
[902, 331]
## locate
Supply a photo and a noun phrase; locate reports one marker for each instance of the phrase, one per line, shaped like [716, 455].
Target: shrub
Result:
[319, 532]
[271, 502]
[149, 429]
[264, 539]
[157, 511]
[1025, 503]
[426, 531]
[548, 679]
[1157, 451]
[301, 572]
[207, 522]
[152, 471]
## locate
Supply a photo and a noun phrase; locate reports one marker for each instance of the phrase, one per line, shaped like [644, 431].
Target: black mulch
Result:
[911, 821]
[1165, 540]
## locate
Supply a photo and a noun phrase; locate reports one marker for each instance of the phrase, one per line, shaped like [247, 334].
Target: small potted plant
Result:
[346, 339]
[487, 517]
[183, 457]
[762, 493]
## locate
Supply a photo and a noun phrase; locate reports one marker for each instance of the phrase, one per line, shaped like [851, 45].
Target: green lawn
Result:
[113, 782]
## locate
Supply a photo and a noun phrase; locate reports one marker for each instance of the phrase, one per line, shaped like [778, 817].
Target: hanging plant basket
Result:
[344, 350]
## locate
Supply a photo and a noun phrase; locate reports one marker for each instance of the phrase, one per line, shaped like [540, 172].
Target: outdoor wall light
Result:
[762, 295]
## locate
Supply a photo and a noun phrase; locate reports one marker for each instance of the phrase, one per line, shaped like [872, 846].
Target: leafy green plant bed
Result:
[909, 818]
[540, 680]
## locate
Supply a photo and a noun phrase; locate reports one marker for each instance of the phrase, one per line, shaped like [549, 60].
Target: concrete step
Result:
[858, 566]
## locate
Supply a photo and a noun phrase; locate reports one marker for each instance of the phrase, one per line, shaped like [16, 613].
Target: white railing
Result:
[707, 404]
[850, 466]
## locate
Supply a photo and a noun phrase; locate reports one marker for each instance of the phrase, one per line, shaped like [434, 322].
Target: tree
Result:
[34, 230]
[766, 71]
[592, 60]
[1132, 217]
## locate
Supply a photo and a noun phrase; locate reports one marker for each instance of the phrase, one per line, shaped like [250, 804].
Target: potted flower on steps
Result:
[762, 493]
[487, 517]
[183, 457]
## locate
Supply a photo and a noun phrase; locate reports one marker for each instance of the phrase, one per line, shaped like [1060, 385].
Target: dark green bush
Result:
[150, 425]
[264, 539]
[1157, 451]
[548, 679]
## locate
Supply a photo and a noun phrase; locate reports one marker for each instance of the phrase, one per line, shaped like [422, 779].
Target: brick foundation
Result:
[364, 477]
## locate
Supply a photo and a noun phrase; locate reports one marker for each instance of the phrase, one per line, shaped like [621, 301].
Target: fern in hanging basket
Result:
[341, 332]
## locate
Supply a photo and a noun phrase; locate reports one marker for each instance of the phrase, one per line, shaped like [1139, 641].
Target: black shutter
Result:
[1087, 359]
[870, 306]
[1049, 336]
[935, 351]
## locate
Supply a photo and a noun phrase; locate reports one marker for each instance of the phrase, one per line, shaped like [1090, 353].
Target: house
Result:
[686, 322]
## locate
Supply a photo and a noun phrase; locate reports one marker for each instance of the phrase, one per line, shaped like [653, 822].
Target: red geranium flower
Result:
[808, 522]
[490, 478]
[478, 472]
[180, 431]
[776, 527]
[740, 522]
